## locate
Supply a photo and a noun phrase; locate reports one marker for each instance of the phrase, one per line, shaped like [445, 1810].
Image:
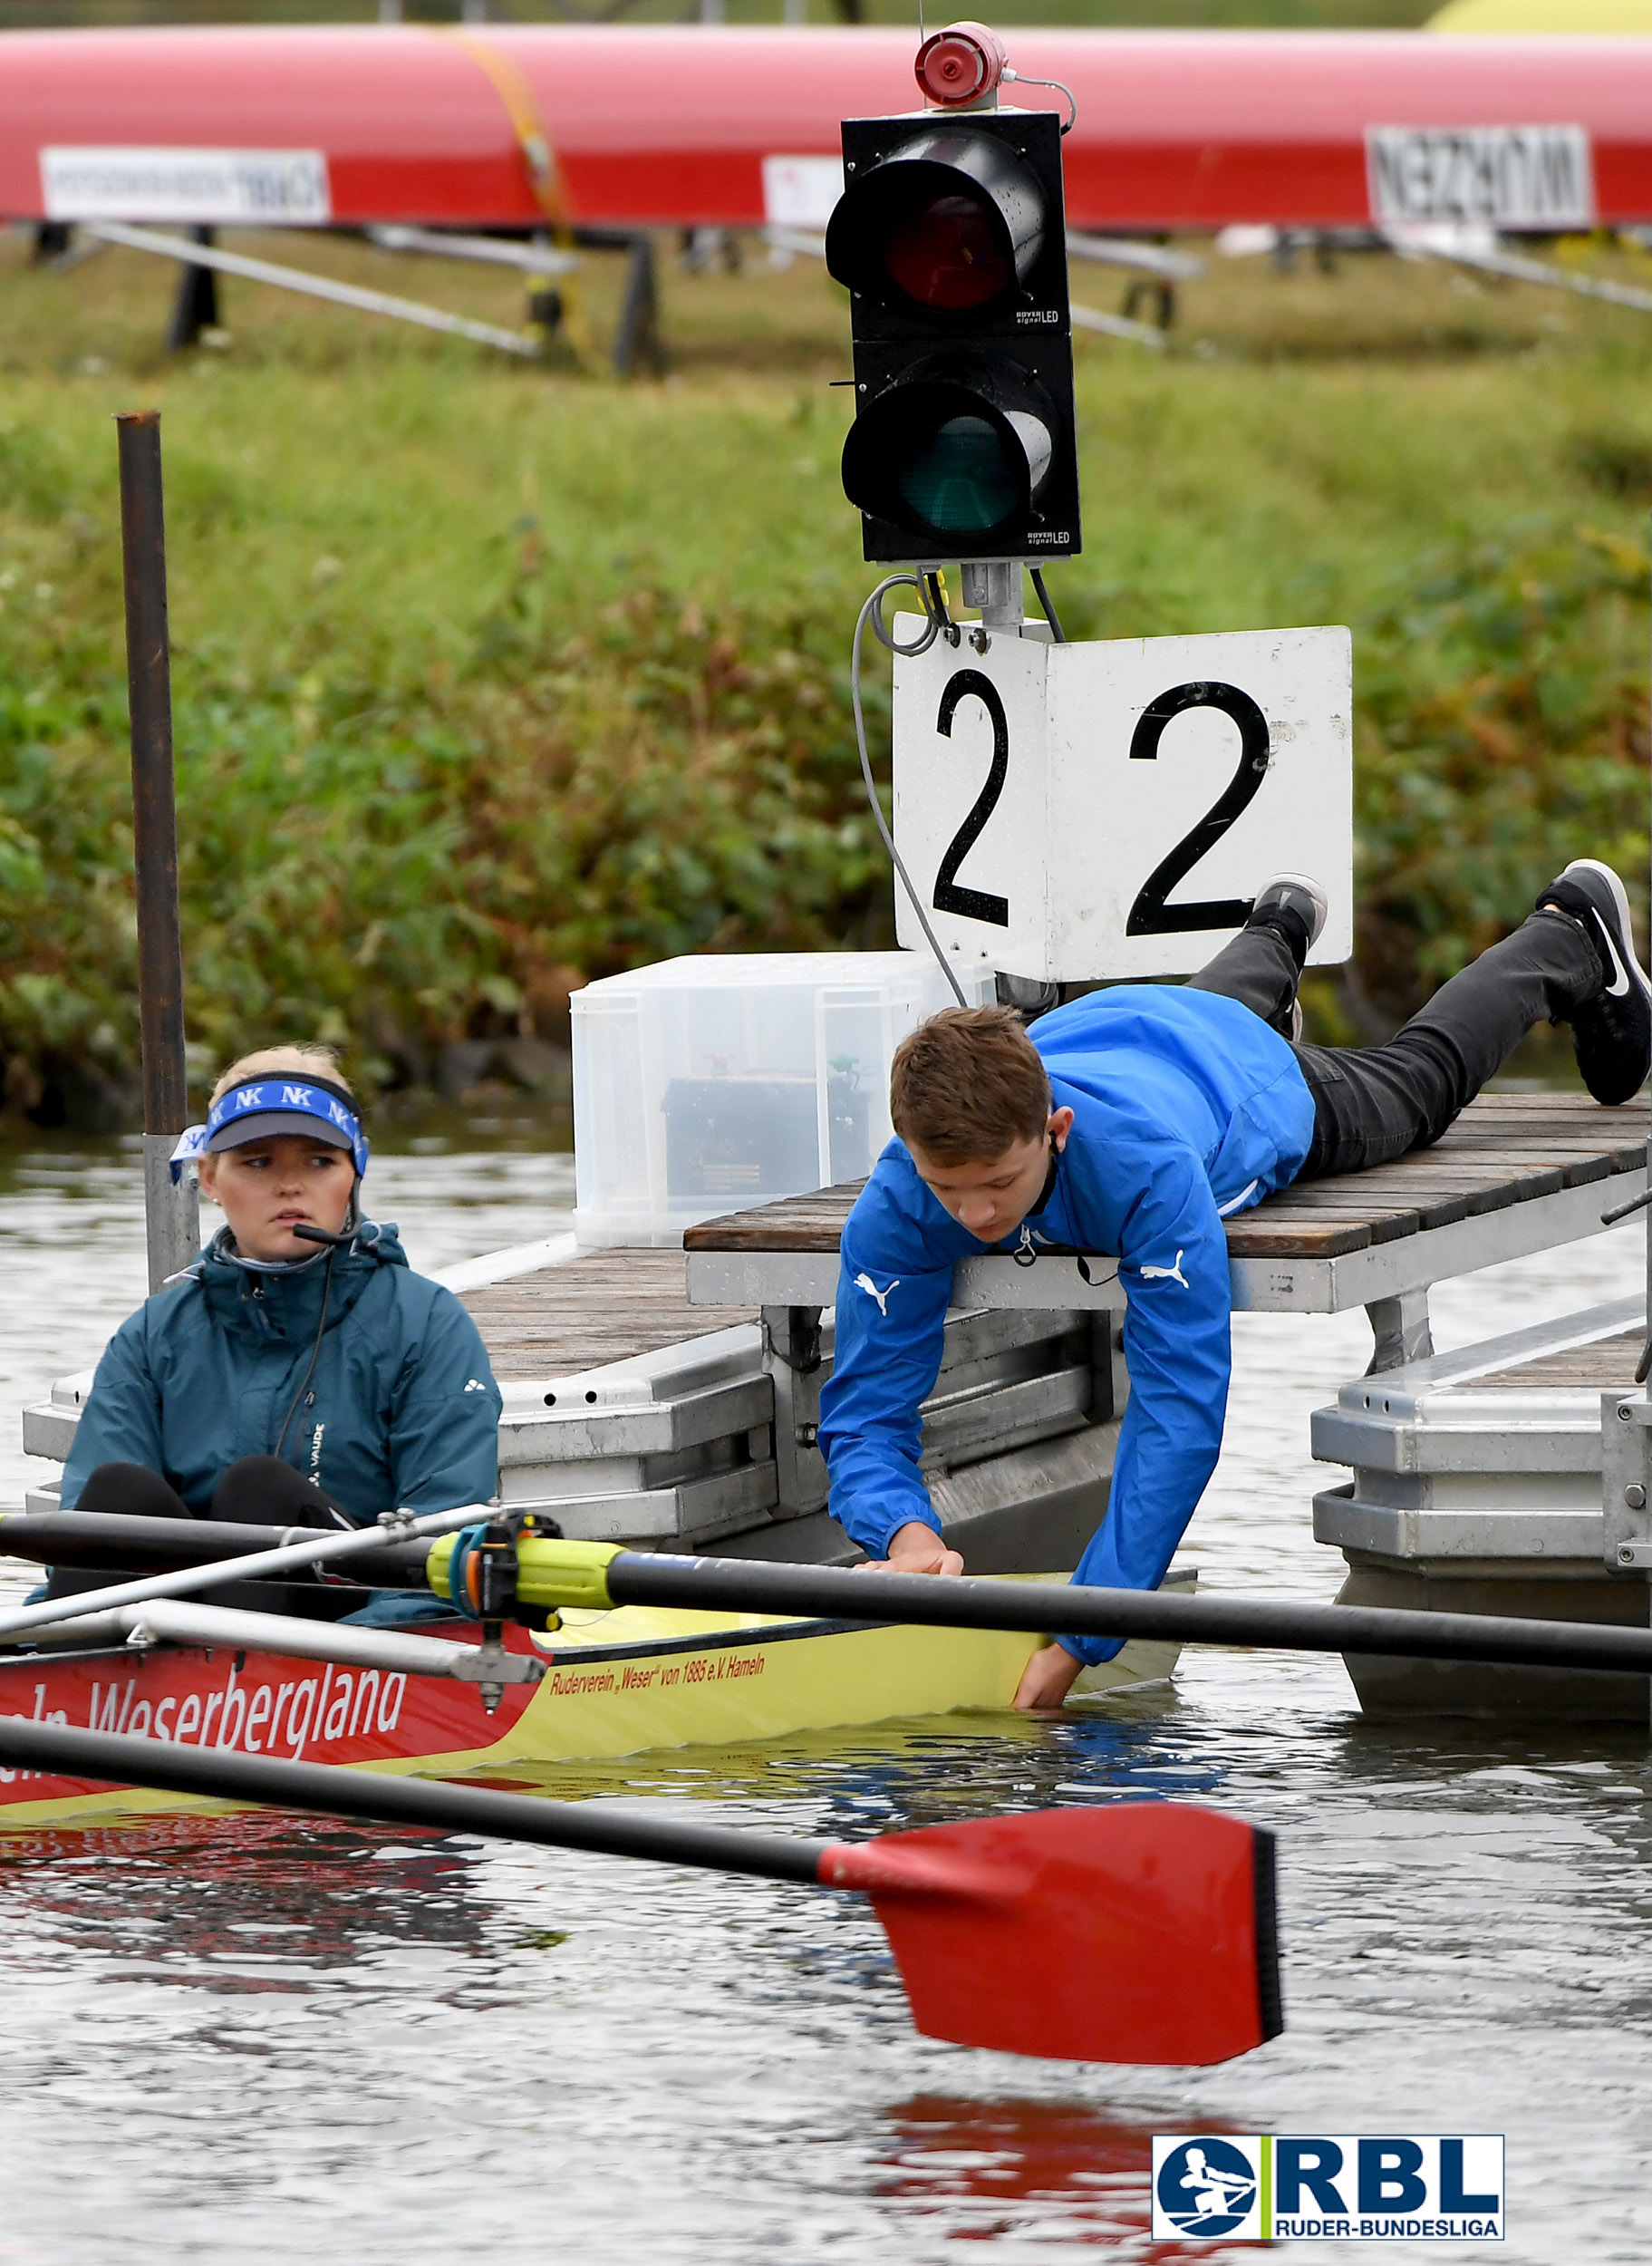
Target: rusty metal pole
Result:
[171, 1215]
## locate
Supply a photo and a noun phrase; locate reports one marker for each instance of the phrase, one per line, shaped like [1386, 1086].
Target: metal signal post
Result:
[950, 239]
[172, 1214]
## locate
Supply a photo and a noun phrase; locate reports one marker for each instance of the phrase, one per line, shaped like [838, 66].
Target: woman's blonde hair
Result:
[306, 1062]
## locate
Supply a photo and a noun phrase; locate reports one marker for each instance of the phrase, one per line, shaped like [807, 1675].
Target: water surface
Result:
[268, 2041]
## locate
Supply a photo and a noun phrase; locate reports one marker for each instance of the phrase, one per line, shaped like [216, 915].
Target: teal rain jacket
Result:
[400, 1410]
[1186, 1107]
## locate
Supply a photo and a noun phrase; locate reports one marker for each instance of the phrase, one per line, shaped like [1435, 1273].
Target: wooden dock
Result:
[1477, 1477]
[603, 1306]
[1517, 1173]
[1595, 1366]
[1505, 1149]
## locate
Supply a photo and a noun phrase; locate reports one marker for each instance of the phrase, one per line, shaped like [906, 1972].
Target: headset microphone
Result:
[307, 1234]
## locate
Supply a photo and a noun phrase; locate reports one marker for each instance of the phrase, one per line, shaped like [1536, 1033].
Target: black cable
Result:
[873, 612]
[352, 1229]
[1050, 616]
[326, 1295]
[935, 605]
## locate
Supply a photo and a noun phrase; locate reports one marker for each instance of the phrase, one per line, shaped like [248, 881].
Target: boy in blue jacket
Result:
[1135, 1121]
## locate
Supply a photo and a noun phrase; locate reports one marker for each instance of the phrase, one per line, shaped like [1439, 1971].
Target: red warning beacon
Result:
[961, 65]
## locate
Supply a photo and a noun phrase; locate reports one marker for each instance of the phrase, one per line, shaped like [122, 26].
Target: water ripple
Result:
[253, 2039]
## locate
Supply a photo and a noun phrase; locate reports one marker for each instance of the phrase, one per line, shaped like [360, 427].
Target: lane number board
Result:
[1109, 811]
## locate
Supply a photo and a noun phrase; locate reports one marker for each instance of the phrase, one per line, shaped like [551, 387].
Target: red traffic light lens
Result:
[948, 256]
[946, 228]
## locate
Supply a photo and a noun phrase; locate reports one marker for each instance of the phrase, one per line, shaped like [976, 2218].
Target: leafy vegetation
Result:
[491, 679]
[389, 856]
[1502, 734]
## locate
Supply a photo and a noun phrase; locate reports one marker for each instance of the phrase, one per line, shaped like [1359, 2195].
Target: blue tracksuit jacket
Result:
[1186, 1107]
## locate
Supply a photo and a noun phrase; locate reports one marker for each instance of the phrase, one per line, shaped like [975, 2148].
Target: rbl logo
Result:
[1318, 2187]
[1206, 2187]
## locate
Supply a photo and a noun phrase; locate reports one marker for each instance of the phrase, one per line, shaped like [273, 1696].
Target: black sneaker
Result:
[1294, 907]
[1611, 1035]
[1293, 904]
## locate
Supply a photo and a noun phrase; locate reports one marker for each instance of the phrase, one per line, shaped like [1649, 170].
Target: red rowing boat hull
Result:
[670, 125]
[250, 1703]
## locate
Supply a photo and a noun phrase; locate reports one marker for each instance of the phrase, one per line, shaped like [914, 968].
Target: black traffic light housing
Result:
[950, 238]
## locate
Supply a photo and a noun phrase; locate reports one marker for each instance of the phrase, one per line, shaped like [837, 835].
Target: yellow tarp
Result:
[1544, 15]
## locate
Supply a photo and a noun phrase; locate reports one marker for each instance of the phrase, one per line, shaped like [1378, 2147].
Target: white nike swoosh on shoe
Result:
[1619, 990]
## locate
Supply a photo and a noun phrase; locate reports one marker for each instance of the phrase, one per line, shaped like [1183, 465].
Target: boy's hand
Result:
[916, 1548]
[1050, 1675]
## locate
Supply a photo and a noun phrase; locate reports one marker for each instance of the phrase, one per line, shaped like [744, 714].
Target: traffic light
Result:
[950, 239]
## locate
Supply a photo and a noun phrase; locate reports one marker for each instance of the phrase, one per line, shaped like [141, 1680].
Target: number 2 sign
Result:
[1070, 812]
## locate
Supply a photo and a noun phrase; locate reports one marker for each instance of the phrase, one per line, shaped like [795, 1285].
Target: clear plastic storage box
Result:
[707, 1085]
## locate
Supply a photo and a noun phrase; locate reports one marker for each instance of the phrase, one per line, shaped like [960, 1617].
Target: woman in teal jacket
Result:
[290, 1378]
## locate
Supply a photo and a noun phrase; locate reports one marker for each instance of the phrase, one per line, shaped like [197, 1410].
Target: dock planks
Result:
[1598, 1366]
[603, 1306]
[1504, 1149]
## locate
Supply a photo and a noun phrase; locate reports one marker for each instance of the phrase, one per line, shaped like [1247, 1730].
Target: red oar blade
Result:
[1131, 1931]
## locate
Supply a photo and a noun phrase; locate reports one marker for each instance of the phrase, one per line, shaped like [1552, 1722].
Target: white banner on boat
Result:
[800, 192]
[209, 188]
[1504, 177]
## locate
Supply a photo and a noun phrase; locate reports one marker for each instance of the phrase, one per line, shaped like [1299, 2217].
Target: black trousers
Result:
[1372, 1104]
[259, 1490]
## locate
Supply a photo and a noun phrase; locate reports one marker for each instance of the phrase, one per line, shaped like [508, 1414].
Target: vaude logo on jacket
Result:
[1341, 2187]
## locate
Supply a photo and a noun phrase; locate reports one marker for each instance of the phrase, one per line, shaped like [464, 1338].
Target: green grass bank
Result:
[490, 678]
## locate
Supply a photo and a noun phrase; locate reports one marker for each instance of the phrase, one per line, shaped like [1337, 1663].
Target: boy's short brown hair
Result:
[967, 1085]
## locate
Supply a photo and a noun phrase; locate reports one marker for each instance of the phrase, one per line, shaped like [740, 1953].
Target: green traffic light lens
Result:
[947, 256]
[959, 481]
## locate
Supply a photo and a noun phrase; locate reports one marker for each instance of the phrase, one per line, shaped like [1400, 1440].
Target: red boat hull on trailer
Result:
[671, 125]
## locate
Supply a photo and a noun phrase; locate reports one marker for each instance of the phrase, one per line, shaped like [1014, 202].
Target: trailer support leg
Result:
[638, 336]
[196, 308]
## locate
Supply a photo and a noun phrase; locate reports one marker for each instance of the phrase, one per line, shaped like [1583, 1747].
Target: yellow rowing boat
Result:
[618, 1682]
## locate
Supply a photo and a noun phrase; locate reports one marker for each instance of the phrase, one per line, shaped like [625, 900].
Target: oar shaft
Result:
[326, 1550]
[109, 1539]
[598, 1826]
[636, 1577]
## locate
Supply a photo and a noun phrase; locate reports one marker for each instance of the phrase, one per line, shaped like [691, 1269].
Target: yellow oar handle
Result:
[551, 1573]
